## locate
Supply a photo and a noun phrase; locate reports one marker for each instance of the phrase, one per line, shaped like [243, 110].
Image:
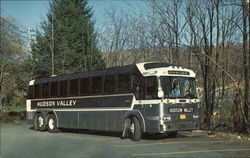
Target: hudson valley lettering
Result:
[56, 103]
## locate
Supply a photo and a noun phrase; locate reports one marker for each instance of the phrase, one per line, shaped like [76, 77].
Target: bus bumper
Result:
[178, 126]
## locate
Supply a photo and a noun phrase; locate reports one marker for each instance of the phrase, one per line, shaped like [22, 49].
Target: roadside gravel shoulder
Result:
[226, 135]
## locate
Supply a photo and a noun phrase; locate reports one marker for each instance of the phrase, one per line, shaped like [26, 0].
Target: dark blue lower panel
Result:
[95, 120]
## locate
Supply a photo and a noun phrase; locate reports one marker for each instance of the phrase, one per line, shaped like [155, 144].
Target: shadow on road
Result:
[32, 128]
[92, 132]
[161, 136]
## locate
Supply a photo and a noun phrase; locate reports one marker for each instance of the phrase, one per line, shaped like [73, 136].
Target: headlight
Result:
[195, 116]
[167, 118]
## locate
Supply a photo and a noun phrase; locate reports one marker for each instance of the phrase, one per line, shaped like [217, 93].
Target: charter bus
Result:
[134, 99]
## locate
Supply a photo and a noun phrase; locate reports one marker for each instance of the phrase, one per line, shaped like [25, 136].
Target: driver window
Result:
[186, 87]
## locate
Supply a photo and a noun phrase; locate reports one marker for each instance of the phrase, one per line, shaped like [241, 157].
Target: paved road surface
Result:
[20, 141]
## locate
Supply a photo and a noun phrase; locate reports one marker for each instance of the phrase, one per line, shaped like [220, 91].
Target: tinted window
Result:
[30, 91]
[74, 87]
[151, 87]
[84, 88]
[138, 86]
[45, 90]
[109, 83]
[37, 91]
[63, 88]
[123, 82]
[97, 84]
[54, 89]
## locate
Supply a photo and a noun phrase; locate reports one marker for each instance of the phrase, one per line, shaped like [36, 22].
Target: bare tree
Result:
[245, 63]
[170, 13]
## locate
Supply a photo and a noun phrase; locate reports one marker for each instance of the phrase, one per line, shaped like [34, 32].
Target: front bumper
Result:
[178, 126]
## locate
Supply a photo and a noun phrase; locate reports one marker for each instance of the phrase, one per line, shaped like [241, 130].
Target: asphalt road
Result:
[21, 141]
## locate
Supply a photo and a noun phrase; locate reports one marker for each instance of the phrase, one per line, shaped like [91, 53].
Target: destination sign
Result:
[178, 72]
[180, 110]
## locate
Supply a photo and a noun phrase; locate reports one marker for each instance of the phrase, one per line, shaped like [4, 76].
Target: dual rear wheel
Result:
[42, 123]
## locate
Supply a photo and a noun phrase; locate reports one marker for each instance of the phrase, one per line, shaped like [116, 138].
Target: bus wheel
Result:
[135, 129]
[40, 124]
[52, 124]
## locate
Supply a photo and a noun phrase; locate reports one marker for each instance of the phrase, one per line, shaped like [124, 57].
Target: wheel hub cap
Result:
[40, 121]
[51, 123]
[132, 128]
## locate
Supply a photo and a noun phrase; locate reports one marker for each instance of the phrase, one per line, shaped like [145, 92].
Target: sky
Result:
[30, 13]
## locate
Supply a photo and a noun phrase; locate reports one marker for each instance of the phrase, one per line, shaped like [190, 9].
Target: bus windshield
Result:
[178, 87]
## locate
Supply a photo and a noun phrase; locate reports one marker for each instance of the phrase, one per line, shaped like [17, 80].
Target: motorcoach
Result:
[133, 99]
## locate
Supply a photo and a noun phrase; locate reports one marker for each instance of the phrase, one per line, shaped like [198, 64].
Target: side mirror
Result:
[160, 93]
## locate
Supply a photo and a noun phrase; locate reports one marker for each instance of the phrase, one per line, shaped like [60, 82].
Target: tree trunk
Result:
[245, 65]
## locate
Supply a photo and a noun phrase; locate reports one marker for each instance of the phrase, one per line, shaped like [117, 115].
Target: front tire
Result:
[39, 122]
[135, 129]
[52, 124]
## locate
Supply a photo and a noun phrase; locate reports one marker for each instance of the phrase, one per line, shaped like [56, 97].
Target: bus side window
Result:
[63, 88]
[138, 86]
[84, 86]
[37, 91]
[73, 87]
[123, 82]
[151, 88]
[97, 84]
[54, 89]
[109, 83]
[45, 90]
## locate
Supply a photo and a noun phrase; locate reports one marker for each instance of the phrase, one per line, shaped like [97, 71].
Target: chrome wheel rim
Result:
[51, 124]
[40, 121]
[132, 128]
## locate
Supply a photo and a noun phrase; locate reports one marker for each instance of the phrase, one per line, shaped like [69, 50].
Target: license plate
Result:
[182, 117]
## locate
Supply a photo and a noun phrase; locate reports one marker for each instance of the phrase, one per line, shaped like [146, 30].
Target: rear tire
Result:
[39, 122]
[135, 129]
[52, 124]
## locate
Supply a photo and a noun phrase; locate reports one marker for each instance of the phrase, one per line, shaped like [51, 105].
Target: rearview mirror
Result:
[160, 93]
